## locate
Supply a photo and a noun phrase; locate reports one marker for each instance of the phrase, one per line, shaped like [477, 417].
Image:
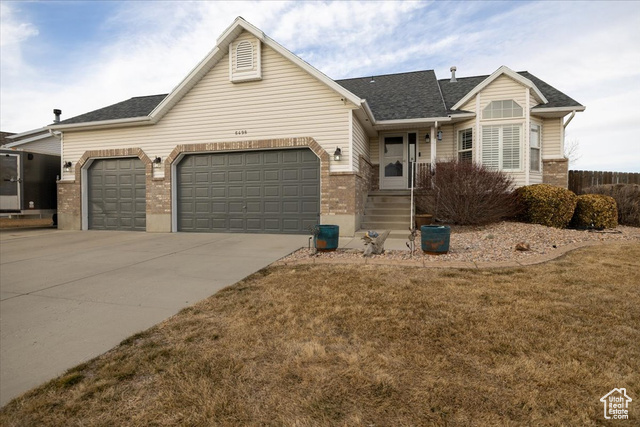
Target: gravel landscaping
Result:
[491, 243]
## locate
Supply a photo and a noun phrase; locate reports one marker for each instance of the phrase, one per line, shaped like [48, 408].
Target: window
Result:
[501, 147]
[244, 56]
[502, 110]
[465, 145]
[534, 148]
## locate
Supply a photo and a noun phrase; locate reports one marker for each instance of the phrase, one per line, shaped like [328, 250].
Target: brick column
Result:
[556, 172]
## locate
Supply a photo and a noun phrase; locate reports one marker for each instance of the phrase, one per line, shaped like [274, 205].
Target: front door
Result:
[393, 167]
[9, 182]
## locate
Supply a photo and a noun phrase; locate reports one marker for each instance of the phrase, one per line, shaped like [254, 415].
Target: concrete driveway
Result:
[67, 296]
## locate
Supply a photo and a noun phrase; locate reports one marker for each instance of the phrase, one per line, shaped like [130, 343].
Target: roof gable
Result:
[503, 70]
[218, 52]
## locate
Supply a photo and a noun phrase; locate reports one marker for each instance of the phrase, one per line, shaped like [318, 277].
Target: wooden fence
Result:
[580, 180]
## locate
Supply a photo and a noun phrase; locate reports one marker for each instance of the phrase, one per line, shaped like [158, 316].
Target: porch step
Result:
[388, 210]
[393, 234]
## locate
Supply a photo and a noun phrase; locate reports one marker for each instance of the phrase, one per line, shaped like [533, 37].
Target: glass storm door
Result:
[9, 182]
[394, 163]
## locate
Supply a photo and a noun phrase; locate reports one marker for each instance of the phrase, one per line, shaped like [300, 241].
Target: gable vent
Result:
[244, 56]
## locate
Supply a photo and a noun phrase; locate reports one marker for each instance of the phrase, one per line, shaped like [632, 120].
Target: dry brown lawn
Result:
[340, 345]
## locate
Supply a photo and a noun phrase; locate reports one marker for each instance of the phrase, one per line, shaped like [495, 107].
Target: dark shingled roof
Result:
[454, 92]
[399, 96]
[139, 106]
[553, 95]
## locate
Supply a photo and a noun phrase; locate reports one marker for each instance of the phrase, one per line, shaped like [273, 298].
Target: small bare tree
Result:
[572, 150]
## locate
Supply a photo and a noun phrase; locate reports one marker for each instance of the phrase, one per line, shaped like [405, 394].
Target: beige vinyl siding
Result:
[532, 99]
[374, 150]
[470, 105]
[552, 139]
[519, 178]
[500, 89]
[360, 143]
[287, 102]
[446, 149]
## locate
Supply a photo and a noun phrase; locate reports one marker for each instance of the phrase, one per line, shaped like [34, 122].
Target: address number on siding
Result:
[241, 132]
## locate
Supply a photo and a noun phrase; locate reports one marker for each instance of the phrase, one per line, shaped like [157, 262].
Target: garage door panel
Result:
[310, 190]
[271, 191]
[253, 191]
[218, 207]
[274, 191]
[309, 174]
[253, 175]
[235, 191]
[117, 194]
[272, 175]
[272, 207]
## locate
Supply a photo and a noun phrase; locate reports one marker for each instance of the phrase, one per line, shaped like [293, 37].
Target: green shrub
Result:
[546, 204]
[627, 197]
[595, 211]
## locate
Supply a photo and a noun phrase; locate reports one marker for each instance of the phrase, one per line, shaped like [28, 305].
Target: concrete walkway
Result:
[66, 296]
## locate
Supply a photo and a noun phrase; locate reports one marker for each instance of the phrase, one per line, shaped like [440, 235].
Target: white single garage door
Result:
[117, 194]
[274, 191]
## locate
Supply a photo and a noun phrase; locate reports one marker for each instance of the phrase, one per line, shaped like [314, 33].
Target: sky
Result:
[79, 56]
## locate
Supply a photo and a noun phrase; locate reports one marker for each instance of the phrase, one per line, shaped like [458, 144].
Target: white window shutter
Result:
[511, 147]
[491, 146]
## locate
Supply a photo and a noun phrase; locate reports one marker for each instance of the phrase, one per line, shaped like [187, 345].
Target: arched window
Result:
[244, 56]
[502, 110]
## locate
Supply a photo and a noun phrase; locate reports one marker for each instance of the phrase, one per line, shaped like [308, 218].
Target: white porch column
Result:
[434, 142]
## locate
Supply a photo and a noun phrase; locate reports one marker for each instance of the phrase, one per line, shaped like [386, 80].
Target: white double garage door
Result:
[271, 191]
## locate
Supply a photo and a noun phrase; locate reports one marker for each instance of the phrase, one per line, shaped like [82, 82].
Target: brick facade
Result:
[375, 178]
[556, 172]
[341, 194]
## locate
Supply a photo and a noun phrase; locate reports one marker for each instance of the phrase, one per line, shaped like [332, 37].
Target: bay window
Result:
[534, 148]
[501, 146]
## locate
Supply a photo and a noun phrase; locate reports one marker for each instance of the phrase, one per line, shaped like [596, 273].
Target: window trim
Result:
[462, 150]
[502, 109]
[532, 149]
[501, 127]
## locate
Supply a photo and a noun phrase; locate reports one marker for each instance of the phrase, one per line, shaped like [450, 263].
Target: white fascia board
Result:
[500, 71]
[32, 139]
[413, 121]
[131, 121]
[557, 109]
[27, 133]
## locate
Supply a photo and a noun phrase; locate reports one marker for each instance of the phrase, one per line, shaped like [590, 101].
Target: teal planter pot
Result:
[435, 239]
[327, 238]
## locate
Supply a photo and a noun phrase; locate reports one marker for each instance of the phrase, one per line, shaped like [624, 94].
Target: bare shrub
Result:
[468, 193]
[627, 197]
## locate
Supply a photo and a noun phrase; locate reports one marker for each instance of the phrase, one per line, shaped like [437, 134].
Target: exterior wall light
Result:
[67, 166]
[157, 161]
[427, 138]
[337, 154]
[439, 135]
